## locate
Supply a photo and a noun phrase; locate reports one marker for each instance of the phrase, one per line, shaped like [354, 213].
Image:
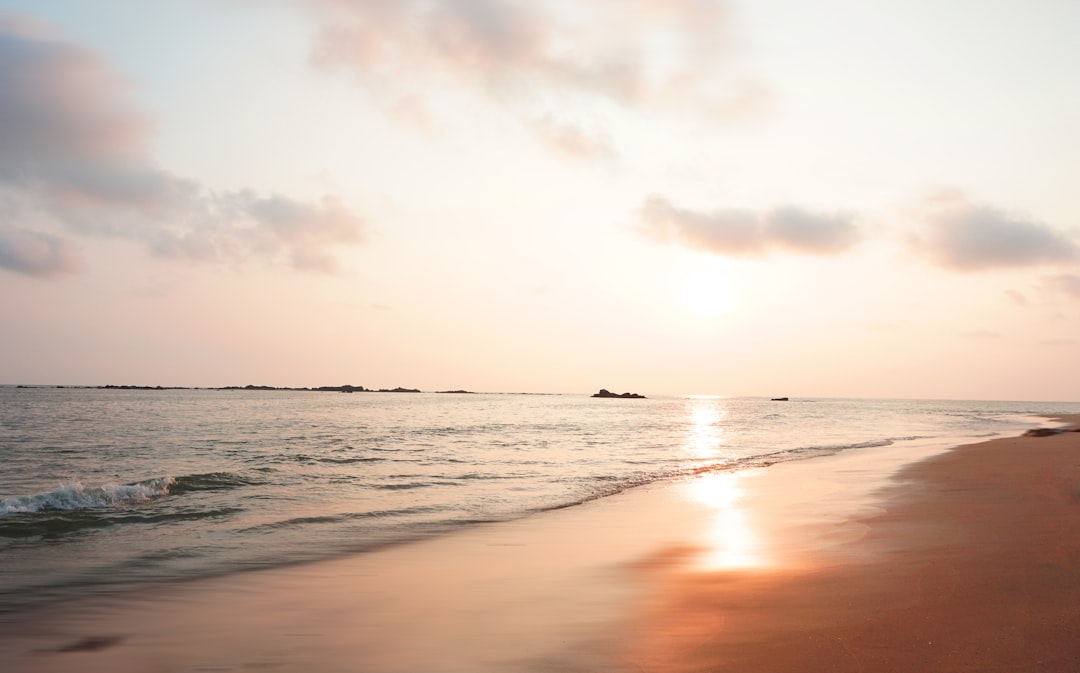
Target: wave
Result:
[304, 458]
[56, 524]
[210, 481]
[803, 452]
[341, 518]
[75, 496]
[607, 485]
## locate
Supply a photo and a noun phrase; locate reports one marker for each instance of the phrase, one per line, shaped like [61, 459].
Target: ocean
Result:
[105, 491]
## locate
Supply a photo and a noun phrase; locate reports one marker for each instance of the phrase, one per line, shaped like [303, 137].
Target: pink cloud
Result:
[965, 236]
[746, 232]
[1068, 284]
[73, 152]
[37, 254]
[570, 140]
[670, 55]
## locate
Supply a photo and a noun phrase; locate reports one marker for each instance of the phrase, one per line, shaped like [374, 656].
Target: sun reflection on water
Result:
[706, 434]
[730, 539]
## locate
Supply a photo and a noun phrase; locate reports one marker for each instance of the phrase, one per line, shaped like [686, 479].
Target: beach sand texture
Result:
[863, 561]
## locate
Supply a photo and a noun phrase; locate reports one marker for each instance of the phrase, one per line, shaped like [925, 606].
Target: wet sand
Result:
[972, 563]
[863, 561]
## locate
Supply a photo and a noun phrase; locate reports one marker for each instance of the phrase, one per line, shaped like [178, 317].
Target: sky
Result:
[838, 198]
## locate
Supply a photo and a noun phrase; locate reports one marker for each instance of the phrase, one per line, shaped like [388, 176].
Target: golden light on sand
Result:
[730, 539]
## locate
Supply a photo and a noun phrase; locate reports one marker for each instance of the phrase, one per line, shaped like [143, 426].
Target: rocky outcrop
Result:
[604, 392]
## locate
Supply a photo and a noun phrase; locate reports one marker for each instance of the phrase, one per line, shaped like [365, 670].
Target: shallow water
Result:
[103, 490]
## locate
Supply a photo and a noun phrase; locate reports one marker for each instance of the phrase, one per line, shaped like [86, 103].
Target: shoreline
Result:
[804, 565]
[969, 563]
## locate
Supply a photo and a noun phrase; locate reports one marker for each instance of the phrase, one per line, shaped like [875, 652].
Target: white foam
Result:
[75, 496]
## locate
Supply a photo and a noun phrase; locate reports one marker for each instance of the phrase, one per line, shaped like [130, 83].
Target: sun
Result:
[706, 291]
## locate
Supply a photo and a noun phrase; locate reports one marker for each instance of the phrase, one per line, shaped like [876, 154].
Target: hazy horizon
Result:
[717, 197]
[388, 390]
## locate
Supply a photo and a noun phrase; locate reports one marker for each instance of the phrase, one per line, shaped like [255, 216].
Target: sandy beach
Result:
[966, 560]
[970, 564]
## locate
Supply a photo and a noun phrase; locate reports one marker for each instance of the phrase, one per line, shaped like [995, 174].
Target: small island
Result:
[604, 392]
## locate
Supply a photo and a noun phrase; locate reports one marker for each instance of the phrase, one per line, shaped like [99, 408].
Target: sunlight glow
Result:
[706, 434]
[705, 290]
[731, 540]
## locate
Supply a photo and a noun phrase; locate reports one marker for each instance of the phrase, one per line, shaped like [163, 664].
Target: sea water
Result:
[105, 490]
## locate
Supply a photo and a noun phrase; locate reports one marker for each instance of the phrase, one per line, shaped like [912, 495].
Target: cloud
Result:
[670, 55]
[1017, 297]
[964, 236]
[734, 231]
[1069, 284]
[68, 129]
[571, 140]
[236, 226]
[74, 154]
[37, 254]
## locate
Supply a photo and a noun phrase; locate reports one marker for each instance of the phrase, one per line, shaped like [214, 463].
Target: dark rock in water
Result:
[342, 389]
[604, 392]
[779, 399]
[1044, 432]
[456, 392]
[398, 390]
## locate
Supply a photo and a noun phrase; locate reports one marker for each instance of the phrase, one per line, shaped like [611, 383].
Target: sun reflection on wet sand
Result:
[730, 540]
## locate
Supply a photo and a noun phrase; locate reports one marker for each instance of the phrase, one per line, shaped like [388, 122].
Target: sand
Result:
[967, 560]
[972, 563]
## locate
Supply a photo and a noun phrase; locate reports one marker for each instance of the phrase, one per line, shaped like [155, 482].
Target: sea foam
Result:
[74, 496]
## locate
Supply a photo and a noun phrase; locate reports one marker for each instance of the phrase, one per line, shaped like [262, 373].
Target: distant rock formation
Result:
[398, 390]
[254, 387]
[456, 392]
[779, 399]
[604, 392]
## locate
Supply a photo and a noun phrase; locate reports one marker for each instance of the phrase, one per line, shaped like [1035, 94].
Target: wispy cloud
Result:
[74, 153]
[238, 225]
[671, 55]
[745, 232]
[1018, 298]
[965, 236]
[37, 254]
[571, 140]
[1069, 284]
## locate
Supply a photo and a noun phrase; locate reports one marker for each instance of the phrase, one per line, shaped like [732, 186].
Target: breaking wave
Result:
[75, 496]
